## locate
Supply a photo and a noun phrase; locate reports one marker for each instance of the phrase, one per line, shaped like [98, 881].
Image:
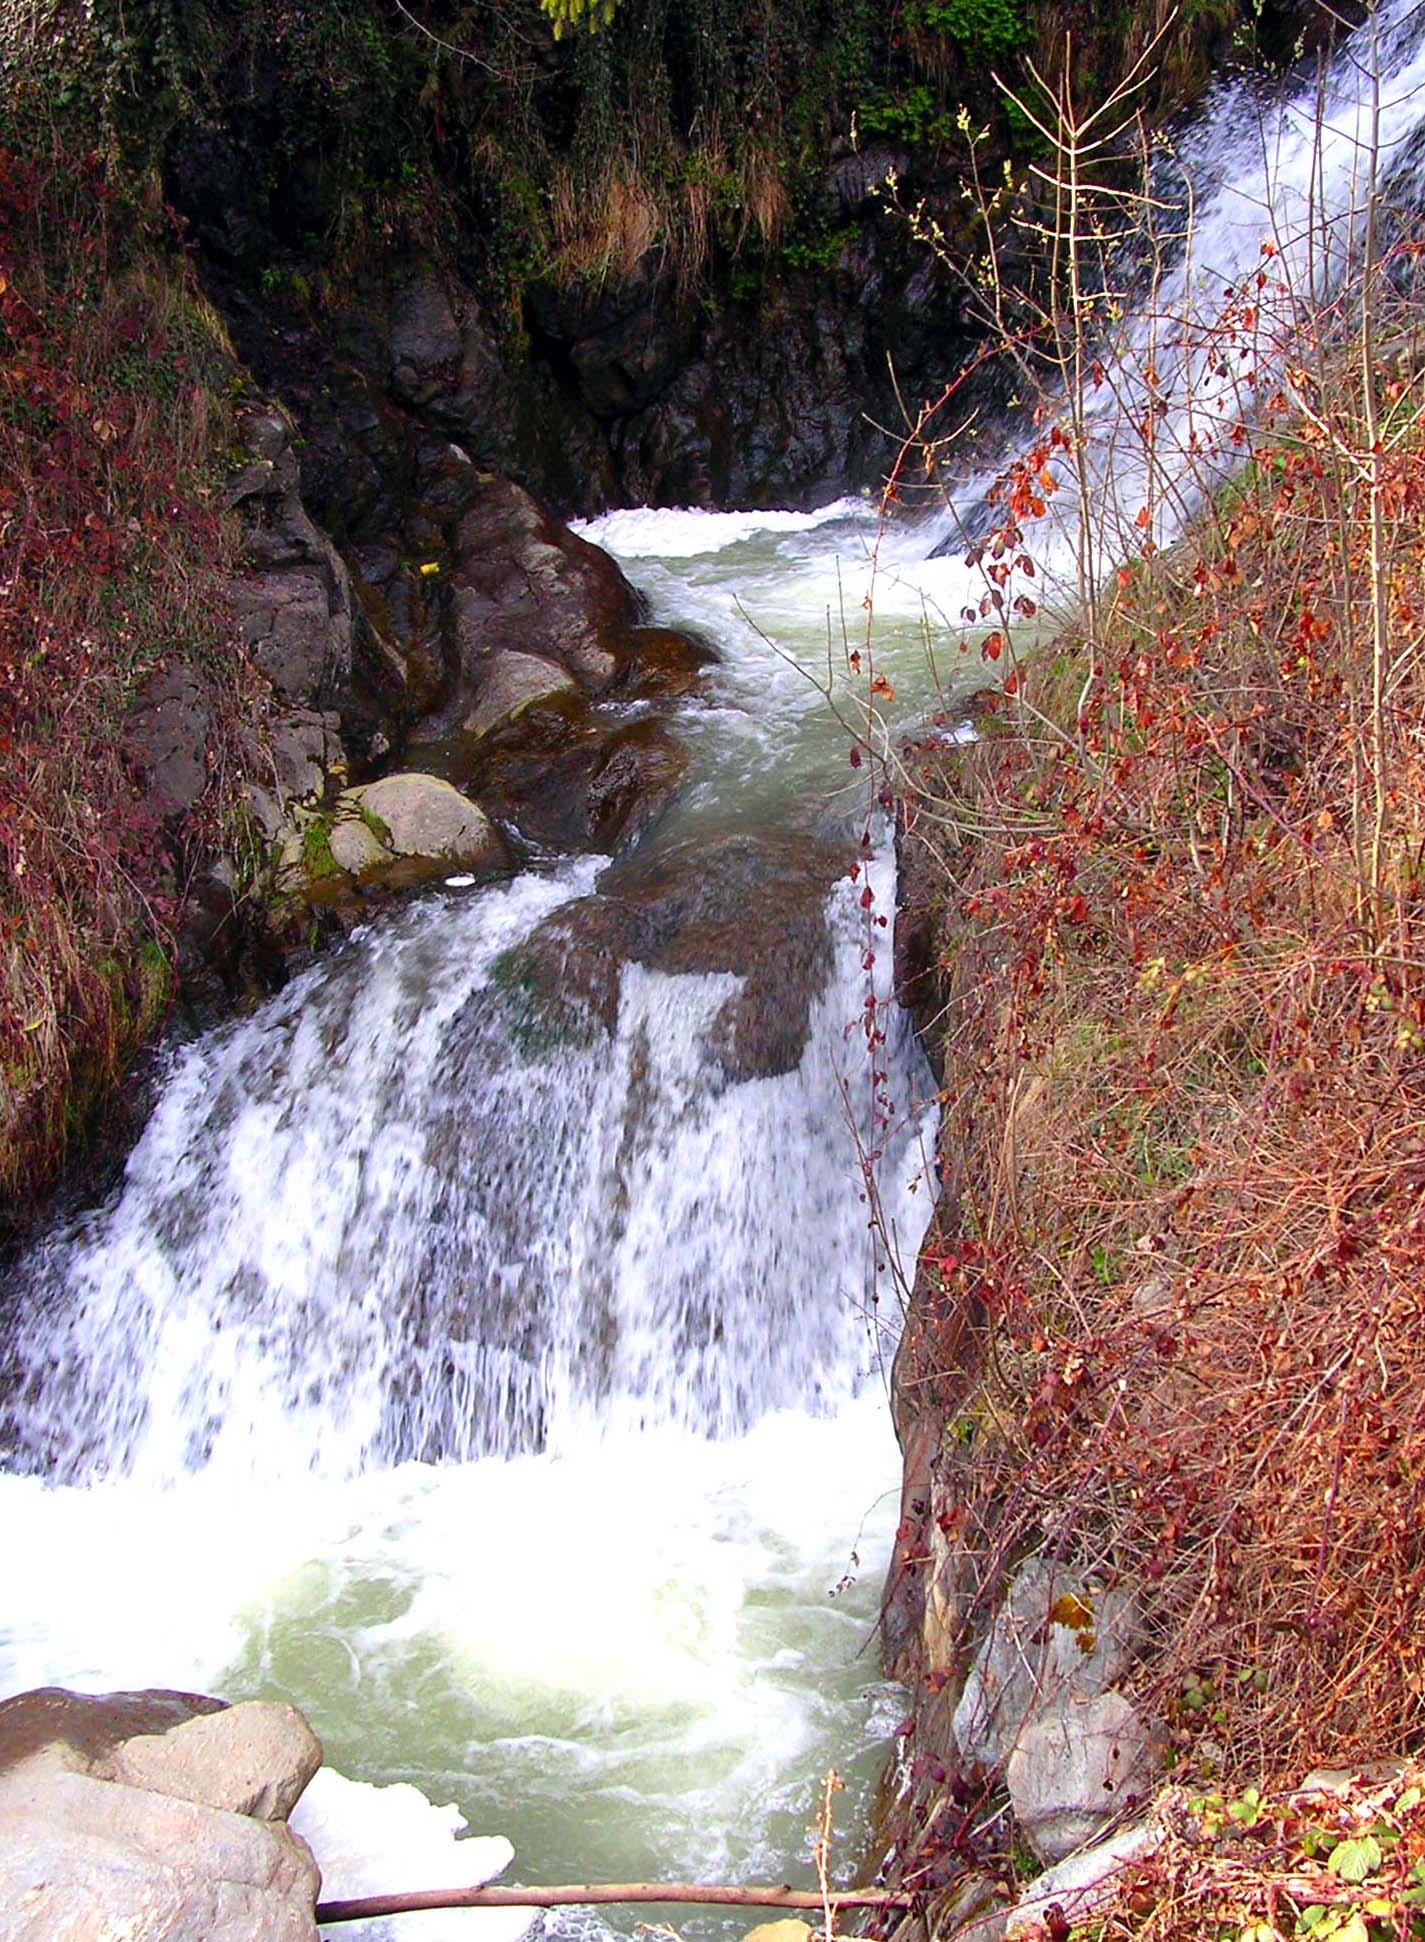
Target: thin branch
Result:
[589, 1894]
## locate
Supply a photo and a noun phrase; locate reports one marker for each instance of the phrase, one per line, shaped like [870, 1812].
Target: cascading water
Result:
[499, 1379]
[497, 1375]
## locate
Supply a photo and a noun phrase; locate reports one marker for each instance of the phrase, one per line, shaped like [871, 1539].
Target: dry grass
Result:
[111, 562]
[1175, 1318]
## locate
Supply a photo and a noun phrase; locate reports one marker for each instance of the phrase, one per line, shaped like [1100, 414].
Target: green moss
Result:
[317, 858]
[378, 825]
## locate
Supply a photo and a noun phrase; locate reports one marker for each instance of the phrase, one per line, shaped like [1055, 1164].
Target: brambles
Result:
[110, 563]
[1178, 1281]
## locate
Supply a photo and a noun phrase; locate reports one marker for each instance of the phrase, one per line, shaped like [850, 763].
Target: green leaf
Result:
[1354, 1860]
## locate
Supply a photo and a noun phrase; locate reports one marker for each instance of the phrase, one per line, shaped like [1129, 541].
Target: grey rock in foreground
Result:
[1083, 1883]
[128, 1817]
[1031, 1655]
[1079, 1764]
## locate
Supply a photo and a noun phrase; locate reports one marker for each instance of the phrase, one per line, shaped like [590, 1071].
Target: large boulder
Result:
[1081, 1763]
[404, 830]
[524, 583]
[129, 1817]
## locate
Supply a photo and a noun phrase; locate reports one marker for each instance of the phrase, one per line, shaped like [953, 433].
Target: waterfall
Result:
[1249, 228]
[398, 1214]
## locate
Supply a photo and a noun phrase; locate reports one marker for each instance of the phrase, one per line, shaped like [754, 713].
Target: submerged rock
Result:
[661, 661]
[754, 907]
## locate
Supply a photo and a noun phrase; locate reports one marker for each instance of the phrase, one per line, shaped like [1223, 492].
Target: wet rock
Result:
[1079, 1764]
[77, 1730]
[634, 782]
[508, 685]
[567, 774]
[661, 661]
[523, 583]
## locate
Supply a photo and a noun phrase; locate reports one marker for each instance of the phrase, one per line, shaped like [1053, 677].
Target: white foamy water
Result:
[507, 1395]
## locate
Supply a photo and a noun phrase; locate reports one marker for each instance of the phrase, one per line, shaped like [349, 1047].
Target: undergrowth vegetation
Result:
[559, 143]
[111, 556]
[1172, 1313]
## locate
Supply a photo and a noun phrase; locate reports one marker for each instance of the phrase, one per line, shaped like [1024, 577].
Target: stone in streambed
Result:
[638, 775]
[755, 907]
[254, 1758]
[662, 661]
[404, 830]
[522, 582]
[121, 1819]
[417, 817]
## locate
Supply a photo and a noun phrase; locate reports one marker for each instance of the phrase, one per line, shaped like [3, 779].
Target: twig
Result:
[588, 1894]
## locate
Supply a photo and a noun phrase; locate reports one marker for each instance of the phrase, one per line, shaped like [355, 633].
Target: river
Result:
[506, 1385]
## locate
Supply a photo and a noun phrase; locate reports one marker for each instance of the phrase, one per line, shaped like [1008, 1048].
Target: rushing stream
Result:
[504, 1387]
[503, 1384]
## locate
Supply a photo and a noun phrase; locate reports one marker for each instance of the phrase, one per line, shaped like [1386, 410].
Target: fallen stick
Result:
[585, 1894]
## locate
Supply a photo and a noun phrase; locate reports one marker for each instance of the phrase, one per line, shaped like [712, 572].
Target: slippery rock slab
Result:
[85, 1860]
[1050, 1635]
[509, 685]
[254, 1758]
[1083, 1883]
[1077, 1765]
